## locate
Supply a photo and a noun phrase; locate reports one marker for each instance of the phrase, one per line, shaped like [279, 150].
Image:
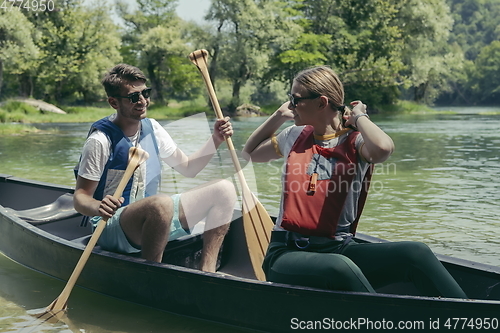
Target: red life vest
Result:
[316, 213]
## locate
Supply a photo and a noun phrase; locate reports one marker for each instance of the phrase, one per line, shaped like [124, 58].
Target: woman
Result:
[329, 154]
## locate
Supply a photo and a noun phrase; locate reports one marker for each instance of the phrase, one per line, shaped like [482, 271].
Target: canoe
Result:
[39, 229]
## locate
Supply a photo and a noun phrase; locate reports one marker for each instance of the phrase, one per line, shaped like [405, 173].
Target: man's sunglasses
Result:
[295, 100]
[134, 97]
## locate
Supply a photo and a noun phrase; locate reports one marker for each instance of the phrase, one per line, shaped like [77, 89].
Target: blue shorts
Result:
[113, 238]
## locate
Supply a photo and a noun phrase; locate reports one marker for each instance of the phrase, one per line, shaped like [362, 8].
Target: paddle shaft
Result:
[256, 220]
[136, 157]
[218, 113]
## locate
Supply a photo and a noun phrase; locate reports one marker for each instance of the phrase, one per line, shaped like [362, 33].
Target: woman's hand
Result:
[222, 130]
[351, 115]
[285, 112]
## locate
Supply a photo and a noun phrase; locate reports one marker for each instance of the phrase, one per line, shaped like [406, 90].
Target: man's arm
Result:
[191, 165]
[85, 203]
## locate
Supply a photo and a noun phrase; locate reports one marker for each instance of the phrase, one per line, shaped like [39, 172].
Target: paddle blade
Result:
[257, 226]
[57, 309]
[52, 314]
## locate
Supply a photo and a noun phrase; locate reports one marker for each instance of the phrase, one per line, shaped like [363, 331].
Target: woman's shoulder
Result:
[292, 131]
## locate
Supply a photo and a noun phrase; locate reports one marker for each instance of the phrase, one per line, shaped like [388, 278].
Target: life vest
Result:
[314, 209]
[118, 160]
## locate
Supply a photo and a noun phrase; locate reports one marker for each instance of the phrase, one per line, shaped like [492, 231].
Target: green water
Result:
[441, 186]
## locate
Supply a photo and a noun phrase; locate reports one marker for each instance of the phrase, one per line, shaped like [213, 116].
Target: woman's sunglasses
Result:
[295, 100]
[134, 97]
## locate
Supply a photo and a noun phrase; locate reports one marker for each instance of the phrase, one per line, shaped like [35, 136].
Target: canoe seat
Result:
[62, 208]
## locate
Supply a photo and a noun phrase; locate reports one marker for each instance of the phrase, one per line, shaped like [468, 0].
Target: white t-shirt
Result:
[97, 149]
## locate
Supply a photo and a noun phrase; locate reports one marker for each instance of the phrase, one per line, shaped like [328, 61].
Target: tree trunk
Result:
[419, 94]
[155, 83]
[1, 75]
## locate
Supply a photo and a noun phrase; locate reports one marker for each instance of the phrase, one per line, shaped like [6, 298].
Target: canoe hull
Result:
[232, 300]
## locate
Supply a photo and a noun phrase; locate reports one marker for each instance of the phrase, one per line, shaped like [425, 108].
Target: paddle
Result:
[55, 311]
[257, 224]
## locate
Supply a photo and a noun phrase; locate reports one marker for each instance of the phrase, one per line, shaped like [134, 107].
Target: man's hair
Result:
[119, 75]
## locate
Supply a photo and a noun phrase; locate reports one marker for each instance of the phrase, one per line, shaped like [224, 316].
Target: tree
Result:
[160, 48]
[154, 41]
[365, 47]
[248, 32]
[475, 28]
[18, 52]
[78, 44]
[485, 81]
[431, 63]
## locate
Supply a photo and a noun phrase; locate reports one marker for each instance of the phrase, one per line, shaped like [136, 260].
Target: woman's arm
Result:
[259, 146]
[378, 145]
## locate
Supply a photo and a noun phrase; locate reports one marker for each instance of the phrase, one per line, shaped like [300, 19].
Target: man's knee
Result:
[159, 205]
[225, 191]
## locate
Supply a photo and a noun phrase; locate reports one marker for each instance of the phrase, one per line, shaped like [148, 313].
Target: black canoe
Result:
[37, 222]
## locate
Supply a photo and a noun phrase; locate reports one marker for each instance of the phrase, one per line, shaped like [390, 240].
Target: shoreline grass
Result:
[16, 117]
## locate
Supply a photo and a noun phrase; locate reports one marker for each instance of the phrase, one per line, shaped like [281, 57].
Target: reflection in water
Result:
[440, 187]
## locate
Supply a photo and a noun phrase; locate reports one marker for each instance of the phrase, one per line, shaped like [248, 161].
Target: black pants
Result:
[361, 267]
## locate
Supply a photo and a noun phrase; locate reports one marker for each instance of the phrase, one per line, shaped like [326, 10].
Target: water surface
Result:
[441, 186]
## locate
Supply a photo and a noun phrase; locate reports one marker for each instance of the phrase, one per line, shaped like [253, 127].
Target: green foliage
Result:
[426, 50]
[154, 42]
[18, 52]
[19, 107]
[475, 31]
[248, 33]
[407, 107]
[476, 24]
[15, 129]
[486, 78]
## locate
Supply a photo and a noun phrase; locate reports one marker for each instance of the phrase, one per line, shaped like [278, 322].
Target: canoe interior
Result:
[17, 196]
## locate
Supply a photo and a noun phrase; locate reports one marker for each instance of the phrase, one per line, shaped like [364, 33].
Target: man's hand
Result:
[109, 205]
[222, 130]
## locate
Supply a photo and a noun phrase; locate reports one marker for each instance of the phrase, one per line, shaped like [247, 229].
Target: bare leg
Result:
[146, 223]
[215, 202]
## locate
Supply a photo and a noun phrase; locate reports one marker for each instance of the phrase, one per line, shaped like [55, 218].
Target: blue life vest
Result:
[118, 159]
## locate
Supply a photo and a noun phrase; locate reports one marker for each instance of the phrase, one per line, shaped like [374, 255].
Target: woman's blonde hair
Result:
[323, 81]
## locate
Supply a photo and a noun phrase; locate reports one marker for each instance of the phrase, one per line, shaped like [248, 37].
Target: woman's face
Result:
[302, 104]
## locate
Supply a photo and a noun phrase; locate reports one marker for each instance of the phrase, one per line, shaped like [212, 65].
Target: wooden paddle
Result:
[256, 221]
[56, 310]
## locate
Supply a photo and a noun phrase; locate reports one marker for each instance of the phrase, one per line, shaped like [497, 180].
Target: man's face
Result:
[125, 107]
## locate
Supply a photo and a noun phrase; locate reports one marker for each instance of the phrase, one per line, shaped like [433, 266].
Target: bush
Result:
[20, 107]
[16, 117]
[3, 116]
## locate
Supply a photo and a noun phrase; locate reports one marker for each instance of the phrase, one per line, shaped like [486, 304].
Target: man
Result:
[142, 220]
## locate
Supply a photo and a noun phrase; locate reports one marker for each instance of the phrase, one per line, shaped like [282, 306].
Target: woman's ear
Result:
[323, 102]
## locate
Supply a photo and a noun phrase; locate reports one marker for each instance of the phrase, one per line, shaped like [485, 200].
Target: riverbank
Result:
[16, 117]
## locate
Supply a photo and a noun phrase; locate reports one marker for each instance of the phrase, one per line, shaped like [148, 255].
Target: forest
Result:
[433, 52]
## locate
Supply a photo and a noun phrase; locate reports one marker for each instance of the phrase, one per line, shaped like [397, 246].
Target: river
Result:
[441, 186]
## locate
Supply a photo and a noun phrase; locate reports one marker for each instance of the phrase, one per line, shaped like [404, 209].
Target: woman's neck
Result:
[325, 128]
